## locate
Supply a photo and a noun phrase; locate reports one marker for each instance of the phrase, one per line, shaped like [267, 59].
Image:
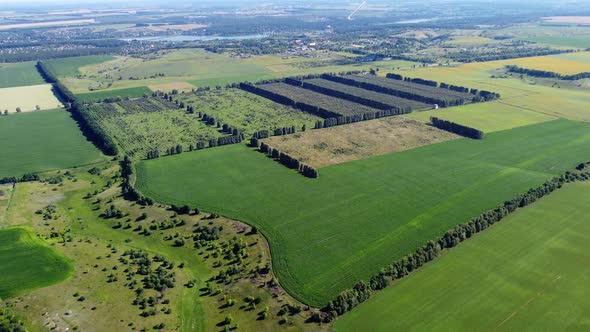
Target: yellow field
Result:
[560, 65]
[28, 98]
[516, 93]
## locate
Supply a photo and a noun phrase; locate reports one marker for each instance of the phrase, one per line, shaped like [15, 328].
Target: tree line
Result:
[457, 128]
[469, 56]
[486, 95]
[127, 188]
[546, 74]
[285, 159]
[340, 94]
[443, 102]
[25, 178]
[346, 119]
[88, 124]
[350, 298]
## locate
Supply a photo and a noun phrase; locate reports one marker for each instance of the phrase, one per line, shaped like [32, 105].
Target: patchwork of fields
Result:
[41, 141]
[30, 262]
[313, 225]
[196, 67]
[527, 273]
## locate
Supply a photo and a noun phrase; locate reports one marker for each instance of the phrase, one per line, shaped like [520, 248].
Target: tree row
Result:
[456, 128]
[285, 159]
[350, 298]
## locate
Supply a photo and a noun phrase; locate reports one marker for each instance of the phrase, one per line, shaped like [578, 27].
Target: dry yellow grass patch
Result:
[45, 24]
[329, 146]
[167, 87]
[27, 98]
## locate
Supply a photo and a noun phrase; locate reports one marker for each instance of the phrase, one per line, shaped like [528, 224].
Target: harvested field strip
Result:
[326, 234]
[336, 105]
[321, 148]
[526, 273]
[374, 99]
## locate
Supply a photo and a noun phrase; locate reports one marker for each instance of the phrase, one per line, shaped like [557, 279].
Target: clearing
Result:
[314, 225]
[29, 98]
[334, 145]
[41, 141]
[526, 273]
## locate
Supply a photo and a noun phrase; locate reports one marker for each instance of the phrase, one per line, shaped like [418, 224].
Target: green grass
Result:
[41, 141]
[19, 74]
[28, 263]
[488, 117]
[328, 233]
[528, 273]
[569, 41]
[246, 111]
[136, 92]
[64, 67]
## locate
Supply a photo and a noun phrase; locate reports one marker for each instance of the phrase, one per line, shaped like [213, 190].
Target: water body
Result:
[183, 38]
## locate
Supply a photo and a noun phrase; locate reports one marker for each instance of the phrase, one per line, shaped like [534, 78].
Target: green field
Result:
[71, 66]
[528, 273]
[328, 233]
[136, 92]
[27, 263]
[19, 74]
[246, 111]
[569, 41]
[488, 117]
[41, 141]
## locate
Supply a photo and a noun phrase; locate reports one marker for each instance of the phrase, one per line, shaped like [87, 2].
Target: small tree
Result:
[18, 110]
[38, 108]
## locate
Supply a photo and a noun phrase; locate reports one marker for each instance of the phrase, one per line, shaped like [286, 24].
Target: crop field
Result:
[582, 42]
[329, 103]
[41, 141]
[137, 92]
[28, 263]
[19, 74]
[423, 90]
[168, 87]
[487, 117]
[543, 99]
[382, 98]
[29, 98]
[246, 111]
[147, 124]
[334, 145]
[314, 225]
[65, 67]
[526, 273]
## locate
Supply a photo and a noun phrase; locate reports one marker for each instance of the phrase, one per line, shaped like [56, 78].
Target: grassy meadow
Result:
[326, 234]
[487, 117]
[28, 263]
[27, 98]
[19, 74]
[136, 92]
[65, 67]
[527, 273]
[41, 141]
